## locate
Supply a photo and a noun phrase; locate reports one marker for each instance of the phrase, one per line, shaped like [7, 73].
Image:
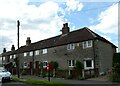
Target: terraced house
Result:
[84, 45]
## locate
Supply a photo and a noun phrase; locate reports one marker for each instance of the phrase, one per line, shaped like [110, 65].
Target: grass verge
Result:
[37, 82]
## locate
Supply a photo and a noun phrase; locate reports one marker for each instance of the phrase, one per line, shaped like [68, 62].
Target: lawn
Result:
[37, 82]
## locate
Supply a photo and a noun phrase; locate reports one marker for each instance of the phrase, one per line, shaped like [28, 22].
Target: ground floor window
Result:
[71, 63]
[45, 64]
[25, 65]
[88, 64]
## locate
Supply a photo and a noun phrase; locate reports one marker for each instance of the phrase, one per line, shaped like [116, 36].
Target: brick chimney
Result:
[12, 48]
[28, 41]
[4, 50]
[65, 28]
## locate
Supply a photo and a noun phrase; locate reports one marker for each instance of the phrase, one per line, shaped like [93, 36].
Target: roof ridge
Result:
[94, 35]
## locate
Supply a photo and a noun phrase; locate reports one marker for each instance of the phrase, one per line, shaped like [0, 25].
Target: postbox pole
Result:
[48, 69]
[49, 75]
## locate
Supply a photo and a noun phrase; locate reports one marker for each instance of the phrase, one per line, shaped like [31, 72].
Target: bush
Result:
[24, 72]
[51, 75]
[43, 75]
[115, 77]
[70, 77]
[81, 78]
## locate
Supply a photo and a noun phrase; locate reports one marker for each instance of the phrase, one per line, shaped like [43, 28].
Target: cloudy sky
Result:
[41, 19]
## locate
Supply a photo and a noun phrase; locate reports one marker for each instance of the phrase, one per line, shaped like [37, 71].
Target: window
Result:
[31, 53]
[25, 54]
[44, 51]
[90, 43]
[45, 64]
[25, 65]
[70, 46]
[0, 58]
[3, 58]
[37, 52]
[10, 56]
[88, 64]
[71, 63]
[14, 56]
[87, 44]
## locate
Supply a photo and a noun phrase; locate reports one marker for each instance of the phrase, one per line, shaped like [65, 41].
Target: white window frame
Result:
[87, 44]
[25, 65]
[0, 58]
[11, 56]
[44, 51]
[71, 46]
[37, 52]
[85, 64]
[31, 53]
[25, 54]
[3, 58]
[45, 64]
[71, 63]
[14, 56]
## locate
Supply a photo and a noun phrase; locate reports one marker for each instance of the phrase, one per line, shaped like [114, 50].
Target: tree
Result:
[115, 76]
[41, 68]
[79, 66]
[55, 66]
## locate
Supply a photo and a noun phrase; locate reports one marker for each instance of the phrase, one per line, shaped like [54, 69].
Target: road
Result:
[17, 84]
[81, 83]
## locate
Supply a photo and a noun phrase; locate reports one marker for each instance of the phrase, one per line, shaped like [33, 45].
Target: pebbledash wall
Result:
[93, 51]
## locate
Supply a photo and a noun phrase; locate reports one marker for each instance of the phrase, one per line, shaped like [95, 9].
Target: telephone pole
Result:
[18, 69]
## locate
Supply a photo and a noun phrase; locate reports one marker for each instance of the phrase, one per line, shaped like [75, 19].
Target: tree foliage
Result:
[115, 77]
[54, 64]
[79, 65]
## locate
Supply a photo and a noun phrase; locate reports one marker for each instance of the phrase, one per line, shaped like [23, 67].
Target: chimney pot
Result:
[12, 48]
[65, 28]
[28, 41]
[4, 50]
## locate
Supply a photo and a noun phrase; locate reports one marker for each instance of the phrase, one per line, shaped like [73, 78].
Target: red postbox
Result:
[49, 67]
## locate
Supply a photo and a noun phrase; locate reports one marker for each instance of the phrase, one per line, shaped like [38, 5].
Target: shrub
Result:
[24, 72]
[70, 77]
[43, 75]
[81, 78]
[51, 75]
[114, 77]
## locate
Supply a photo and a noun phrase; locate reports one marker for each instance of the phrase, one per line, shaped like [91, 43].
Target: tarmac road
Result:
[83, 83]
[17, 84]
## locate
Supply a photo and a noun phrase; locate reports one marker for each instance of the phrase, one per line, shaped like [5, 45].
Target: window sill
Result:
[88, 68]
[71, 66]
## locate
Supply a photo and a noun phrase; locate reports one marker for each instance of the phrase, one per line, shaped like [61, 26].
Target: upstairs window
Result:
[11, 56]
[0, 58]
[14, 56]
[87, 44]
[44, 51]
[37, 52]
[31, 53]
[25, 54]
[70, 46]
[3, 58]
[71, 63]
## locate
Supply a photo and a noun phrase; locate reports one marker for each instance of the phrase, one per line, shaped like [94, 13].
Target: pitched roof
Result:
[80, 35]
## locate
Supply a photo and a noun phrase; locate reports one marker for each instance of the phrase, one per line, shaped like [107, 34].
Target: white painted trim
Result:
[87, 68]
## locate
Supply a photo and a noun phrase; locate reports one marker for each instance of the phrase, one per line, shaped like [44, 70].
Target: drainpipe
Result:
[94, 54]
[2, 59]
[33, 63]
